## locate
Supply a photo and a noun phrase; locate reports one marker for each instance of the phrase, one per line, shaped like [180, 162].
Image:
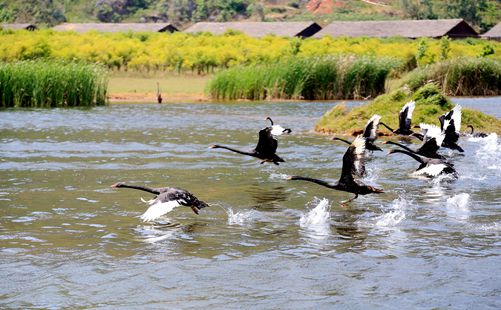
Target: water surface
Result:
[68, 240]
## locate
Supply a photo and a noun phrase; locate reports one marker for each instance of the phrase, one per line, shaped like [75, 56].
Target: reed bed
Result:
[460, 77]
[51, 84]
[313, 78]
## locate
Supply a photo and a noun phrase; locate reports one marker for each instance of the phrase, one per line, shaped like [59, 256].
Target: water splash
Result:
[241, 217]
[489, 151]
[458, 206]
[395, 216]
[317, 220]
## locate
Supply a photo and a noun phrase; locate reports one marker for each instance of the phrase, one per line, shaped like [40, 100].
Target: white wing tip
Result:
[359, 144]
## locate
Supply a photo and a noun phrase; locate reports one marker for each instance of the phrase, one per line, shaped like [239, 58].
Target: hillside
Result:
[483, 14]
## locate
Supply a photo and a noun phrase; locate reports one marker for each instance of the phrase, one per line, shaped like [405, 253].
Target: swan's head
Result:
[117, 185]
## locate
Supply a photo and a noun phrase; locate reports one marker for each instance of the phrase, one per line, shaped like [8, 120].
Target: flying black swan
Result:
[404, 121]
[353, 160]
[266, 146]
[476, 134]
[450, 123]
[432, 140]
[370, 134]
[166, 199]
[430, 167]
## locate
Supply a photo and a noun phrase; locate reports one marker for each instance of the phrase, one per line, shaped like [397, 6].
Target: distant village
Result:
[452, 28]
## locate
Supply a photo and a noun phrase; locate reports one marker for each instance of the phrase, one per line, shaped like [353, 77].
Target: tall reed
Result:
[460, 77]
[51, 84]
[312, 78]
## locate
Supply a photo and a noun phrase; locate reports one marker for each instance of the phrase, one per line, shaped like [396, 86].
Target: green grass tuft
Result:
[305, 78]
[51, 84]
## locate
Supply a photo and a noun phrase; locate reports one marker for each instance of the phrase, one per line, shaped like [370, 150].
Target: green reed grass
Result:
[305, 78]
[51, 84]
[460, 77]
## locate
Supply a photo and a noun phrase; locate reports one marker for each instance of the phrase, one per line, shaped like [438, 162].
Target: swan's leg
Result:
[349, 200]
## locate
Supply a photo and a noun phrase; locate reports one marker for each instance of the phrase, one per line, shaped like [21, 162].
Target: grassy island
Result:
[430, 103]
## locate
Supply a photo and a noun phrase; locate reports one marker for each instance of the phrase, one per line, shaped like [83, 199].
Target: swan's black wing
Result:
[266, 145]
[405, 116]
[432, 140]
[353, 160]
[370, 130]
[451, 134]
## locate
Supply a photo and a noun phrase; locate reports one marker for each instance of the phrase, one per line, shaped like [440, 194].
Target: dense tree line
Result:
[177, 11]
[481, 13]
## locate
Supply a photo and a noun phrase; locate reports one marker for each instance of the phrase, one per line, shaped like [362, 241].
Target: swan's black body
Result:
[476, 134]
[165, 194]
[352, 158]
[265, 149]
[425, 162]
[450, 124]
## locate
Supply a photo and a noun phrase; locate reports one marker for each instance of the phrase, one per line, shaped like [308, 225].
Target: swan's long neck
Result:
[411, 154]
[400, 145]
[233, 150]
[138, 187]
[341, 139]
[387, 127]
[320, 182]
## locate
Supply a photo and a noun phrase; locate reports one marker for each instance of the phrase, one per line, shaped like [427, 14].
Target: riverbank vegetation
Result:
[206, 53]
[460, 77]
[51, 84]
[430, 103]
[313, 78]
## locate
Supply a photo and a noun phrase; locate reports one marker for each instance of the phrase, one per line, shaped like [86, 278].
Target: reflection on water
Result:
[68, 240]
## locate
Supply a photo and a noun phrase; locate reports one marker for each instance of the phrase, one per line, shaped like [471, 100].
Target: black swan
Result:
[430, 167]
[166, 199]
[404, 120]
[432, 140]
[370, 134]
[450, 123]
[476, 134]
[266, 146]
[353, 160]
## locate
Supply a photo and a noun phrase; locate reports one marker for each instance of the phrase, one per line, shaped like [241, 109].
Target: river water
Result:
[68, 240]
